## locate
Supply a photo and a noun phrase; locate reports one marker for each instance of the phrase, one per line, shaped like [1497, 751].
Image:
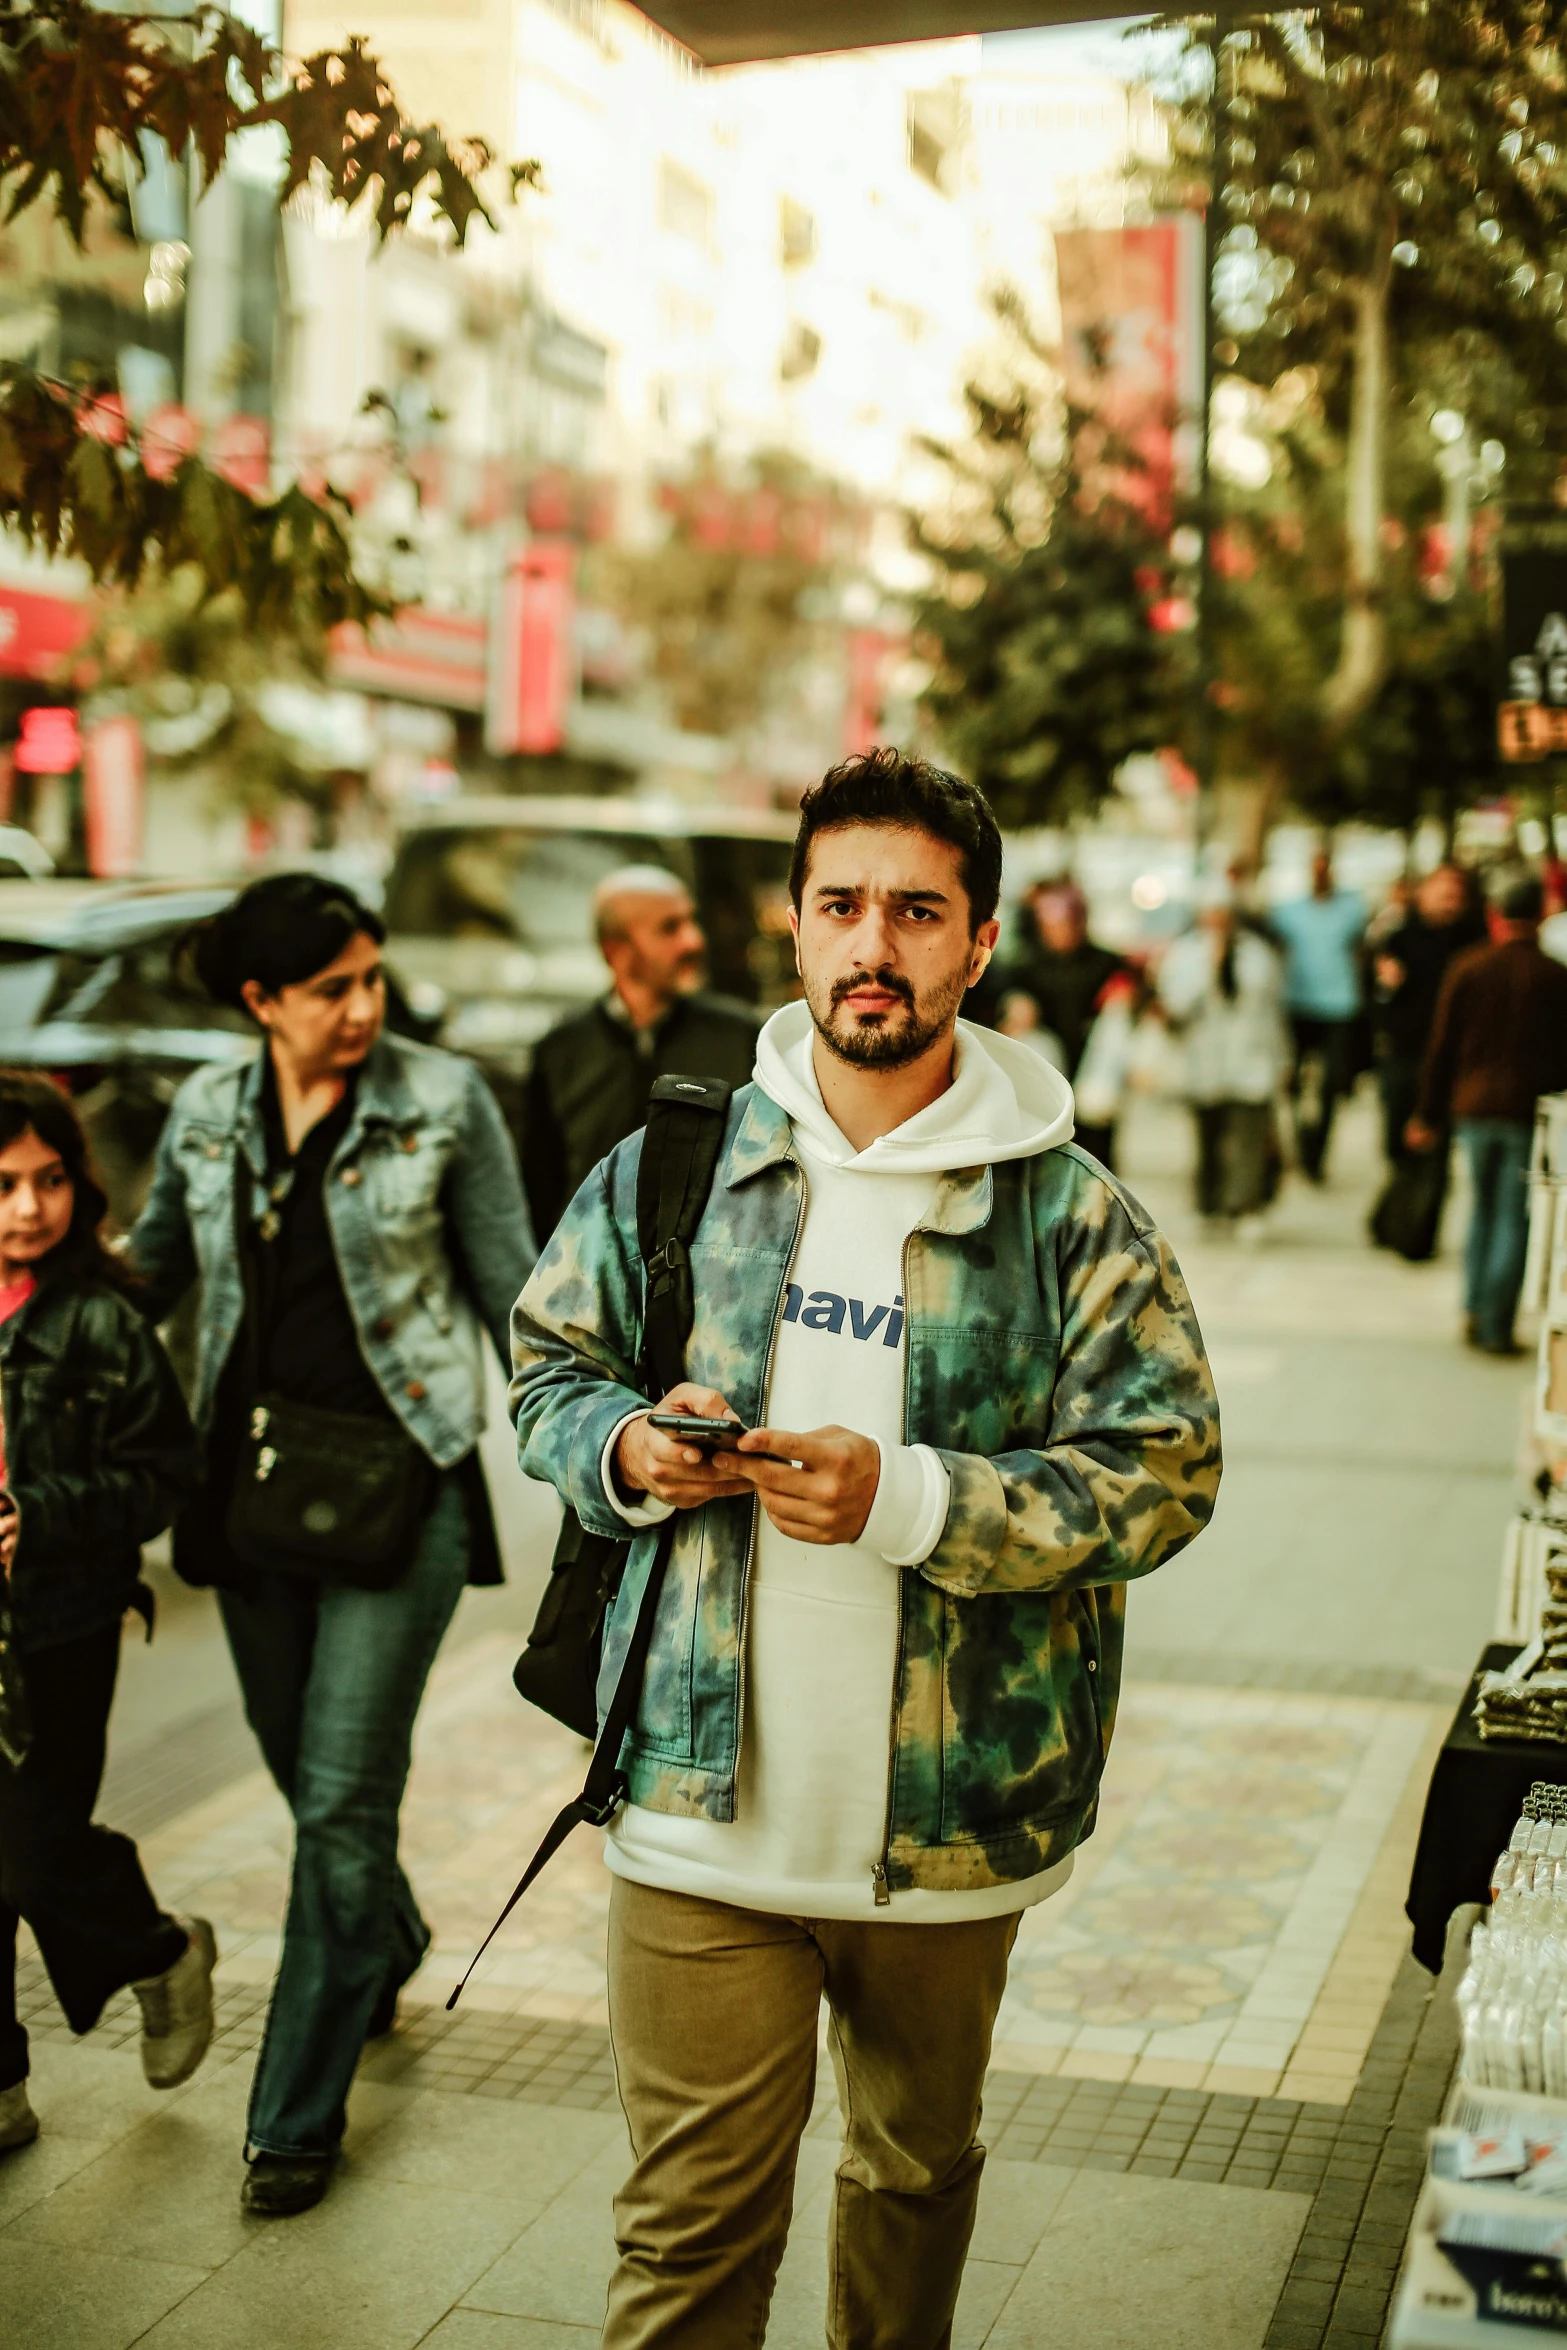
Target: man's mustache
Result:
[892, 981]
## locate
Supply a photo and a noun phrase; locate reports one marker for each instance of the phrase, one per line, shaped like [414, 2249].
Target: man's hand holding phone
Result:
[654, 1460]
[817, 1487]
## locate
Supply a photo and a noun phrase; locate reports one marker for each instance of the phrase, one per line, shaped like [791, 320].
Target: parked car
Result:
[96, 988]
[489, 901]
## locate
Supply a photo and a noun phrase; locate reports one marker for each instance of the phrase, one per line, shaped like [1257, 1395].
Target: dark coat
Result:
[1500, 1036]
[592, 1077]
[99, 1455]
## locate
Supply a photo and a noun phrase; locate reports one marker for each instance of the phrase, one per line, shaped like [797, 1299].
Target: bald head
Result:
[649, 936]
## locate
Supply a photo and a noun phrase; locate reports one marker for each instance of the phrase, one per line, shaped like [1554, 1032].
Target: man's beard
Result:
[885, 1040]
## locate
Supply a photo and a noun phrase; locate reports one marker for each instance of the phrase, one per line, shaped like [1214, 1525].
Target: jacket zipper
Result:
[756, 1507]
[881, 1893]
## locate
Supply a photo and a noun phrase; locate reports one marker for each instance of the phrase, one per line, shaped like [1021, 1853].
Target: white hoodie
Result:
[822, 1623]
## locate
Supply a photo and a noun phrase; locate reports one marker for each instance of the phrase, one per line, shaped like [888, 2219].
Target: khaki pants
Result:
[713, 2016]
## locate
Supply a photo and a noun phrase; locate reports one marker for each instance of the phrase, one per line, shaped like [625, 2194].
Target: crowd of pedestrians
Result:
[946, 1397]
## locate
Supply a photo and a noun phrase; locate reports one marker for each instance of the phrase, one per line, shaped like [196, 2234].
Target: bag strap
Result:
[680, 1153]
[604, 1788]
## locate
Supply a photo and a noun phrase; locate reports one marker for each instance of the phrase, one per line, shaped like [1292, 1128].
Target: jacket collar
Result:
[383, 1097]
[963, 1199]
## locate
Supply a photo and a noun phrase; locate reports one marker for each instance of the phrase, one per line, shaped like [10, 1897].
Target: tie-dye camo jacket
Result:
[1054, 1361]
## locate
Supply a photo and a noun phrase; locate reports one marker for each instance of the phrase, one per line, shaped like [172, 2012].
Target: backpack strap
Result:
[680, 1153]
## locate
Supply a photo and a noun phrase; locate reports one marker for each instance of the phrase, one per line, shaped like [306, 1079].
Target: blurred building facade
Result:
[781, 262]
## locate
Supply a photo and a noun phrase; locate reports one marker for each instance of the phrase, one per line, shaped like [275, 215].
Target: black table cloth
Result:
[1477, 1791]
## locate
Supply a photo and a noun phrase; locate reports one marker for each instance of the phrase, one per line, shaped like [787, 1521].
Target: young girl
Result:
[96, 1452]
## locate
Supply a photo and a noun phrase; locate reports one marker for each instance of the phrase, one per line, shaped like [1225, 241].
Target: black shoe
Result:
[1508, 1348]
[278, 2185]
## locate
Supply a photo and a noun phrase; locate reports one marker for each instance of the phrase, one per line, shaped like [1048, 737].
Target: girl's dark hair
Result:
[278, 932]
[33, 1105]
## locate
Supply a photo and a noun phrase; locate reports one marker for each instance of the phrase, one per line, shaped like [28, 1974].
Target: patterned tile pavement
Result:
[1192, 1949]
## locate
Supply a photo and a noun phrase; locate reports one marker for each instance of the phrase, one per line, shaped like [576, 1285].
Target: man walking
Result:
[1499, 1042]
[593, 1075]
[1321, 936]
[887, 1650]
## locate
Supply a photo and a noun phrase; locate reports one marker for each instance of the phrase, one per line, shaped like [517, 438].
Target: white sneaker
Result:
[176, 2010]
[18, 2122]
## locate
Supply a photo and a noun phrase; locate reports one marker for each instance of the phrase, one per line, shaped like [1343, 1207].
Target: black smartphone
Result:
[695, 1430]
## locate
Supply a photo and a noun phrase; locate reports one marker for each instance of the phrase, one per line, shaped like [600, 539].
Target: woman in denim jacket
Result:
[384, 1231]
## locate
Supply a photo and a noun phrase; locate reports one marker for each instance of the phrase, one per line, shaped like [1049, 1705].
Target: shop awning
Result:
[734, 32]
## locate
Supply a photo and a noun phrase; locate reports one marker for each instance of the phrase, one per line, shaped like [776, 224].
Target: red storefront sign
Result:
[50, 742]
[531, 658]
[37, 632]
[419, 656]
[112, 792]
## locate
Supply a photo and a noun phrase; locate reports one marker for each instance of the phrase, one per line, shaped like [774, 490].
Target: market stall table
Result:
[1476, 1794]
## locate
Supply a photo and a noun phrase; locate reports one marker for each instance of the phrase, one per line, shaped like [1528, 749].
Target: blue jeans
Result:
[332, 1680]
[1498, 1154]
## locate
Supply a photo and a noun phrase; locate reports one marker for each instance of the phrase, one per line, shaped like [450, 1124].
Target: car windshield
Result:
[530, 889]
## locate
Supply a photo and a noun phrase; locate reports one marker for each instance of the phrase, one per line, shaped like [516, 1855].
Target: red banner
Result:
[532, 669]
[112, 786]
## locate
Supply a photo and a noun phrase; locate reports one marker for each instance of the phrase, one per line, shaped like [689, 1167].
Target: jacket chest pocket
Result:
[56, 1428]
[985, 1391]
[405, 1176]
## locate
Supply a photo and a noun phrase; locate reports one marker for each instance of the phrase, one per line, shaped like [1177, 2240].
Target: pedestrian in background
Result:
[96, 1452]
[593, 1075]
[1498, 1041]
[1321, 936]
[1221, 987]
[1061, 967]
[350, 1204]
[1409, 964]
[838, 1781]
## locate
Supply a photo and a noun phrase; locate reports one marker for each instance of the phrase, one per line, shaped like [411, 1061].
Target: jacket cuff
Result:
[913, 1493]
[975, 1531]
[649, 1511]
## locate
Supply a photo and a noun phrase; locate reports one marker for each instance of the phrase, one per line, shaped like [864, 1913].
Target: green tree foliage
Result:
[1392, 180]
[74, 481]
[1052, 555]
[82, 87]
[1425, 742]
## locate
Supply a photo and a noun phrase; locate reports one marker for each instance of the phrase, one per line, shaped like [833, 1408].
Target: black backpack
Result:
[558, 1670]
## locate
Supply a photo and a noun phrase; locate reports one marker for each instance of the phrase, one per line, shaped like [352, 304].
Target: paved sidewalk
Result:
[1205, 2039]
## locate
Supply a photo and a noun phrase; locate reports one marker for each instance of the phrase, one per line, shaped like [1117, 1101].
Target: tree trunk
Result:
[1362, 659]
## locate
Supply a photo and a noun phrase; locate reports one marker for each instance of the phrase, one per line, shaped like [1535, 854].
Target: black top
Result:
[592, 1079]
[1423, 951]
[309, 1349]
[1066, 988]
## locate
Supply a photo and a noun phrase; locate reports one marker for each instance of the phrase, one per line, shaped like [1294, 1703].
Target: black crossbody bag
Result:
[340, 1496]
[558, 1670]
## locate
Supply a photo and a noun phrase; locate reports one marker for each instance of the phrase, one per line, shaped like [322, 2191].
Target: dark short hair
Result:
[1517, 895]
[278, 932]
[36, 1105]
[887, 787]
